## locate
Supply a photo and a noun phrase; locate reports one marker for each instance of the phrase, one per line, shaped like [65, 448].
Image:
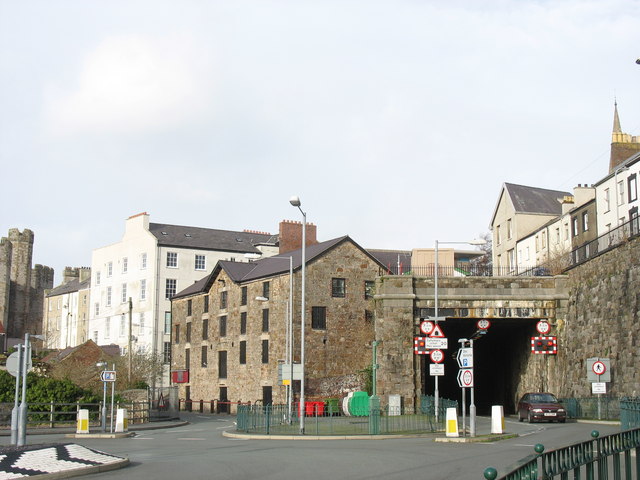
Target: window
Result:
[166, 353]
[319, 318]
[265, 351]
[265, 289]
[201, 262]
[509, 231]
[243, 323]
[512, 257]
[170, 288]
[95, 337]
[369, 289]
[123, 325]
[172, 259]
[205, 328]
[222, 364]
[243, 352]
[141, 327]
[223, 326]
[205, 307]
[223, 300]
[543, 236]
[187, 358]
[167, 323]
[265, 320]
[188, 333]
[143, 289]
[338, 287]
[176, 337]
[109, 269]
[96, 308]
[574, 223]
[498, 236]
[189, 307]
[123, 299]
[203, 357]
[108, 296]
[585, 221]
[566, 231]
[125, 264]
[607, 200]
[557, 235]
[528, 253]
[97, 278]
[620, 192]
[243, 296]
[143, 261]
[632, 187]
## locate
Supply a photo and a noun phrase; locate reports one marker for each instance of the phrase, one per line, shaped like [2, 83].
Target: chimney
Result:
[567, 203]
[69, 274]
[291, 235]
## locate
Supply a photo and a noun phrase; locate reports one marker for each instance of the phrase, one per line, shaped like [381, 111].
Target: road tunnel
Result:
[499, 360]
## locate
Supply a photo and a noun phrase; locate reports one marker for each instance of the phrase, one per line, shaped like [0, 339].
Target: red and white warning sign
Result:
[426, 327]
[436, 332]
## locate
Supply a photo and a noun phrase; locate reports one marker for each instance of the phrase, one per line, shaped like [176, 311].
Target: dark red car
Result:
[541, 406]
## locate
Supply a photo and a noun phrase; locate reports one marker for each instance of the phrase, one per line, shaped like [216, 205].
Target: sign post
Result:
[598, 373]
[464, 357]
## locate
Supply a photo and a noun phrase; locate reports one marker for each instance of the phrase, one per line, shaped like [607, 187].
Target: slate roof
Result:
[535, 200]
[240, 272]
[390, 258]
[209, 238]
[74, 285]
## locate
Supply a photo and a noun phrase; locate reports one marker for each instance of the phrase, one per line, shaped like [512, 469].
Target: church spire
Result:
[616, 119]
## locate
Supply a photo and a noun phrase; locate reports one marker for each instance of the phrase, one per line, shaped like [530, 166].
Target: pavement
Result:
[64, 460]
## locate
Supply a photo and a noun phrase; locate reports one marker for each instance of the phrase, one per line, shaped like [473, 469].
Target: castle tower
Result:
[21, 257]
[6, 250]
[623, 145]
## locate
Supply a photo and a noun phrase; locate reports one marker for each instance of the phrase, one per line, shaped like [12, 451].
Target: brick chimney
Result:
[291, 235]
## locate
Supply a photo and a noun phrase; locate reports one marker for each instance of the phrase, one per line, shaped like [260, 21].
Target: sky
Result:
[395, 122]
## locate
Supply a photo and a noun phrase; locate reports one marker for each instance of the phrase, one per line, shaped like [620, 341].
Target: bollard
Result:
[83, 421]
[497, 419]
[121, 421]
[452, 423]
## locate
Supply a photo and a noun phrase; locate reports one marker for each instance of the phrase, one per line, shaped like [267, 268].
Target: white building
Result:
[136, 277]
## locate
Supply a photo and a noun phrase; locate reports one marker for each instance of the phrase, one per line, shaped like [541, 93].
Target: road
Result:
[199, 451]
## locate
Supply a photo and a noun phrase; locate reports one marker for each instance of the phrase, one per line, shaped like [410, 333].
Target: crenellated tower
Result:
[623, 145]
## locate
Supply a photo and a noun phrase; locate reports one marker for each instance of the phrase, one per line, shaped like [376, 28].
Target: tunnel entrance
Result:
[499, 359]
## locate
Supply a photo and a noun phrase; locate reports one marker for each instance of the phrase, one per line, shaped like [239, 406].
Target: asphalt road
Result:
[199, 451]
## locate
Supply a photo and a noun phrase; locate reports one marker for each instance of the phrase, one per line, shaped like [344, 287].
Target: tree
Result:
[484, 264]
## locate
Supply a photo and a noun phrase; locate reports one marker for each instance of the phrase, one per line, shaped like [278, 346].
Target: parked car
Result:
[541, 406]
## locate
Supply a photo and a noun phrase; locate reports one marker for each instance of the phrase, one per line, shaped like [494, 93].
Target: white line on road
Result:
[191, 438]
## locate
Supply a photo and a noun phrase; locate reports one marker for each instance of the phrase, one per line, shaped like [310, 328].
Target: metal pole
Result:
[464, 412]
[104, 401]
[129, 344]
[436, 393]
[290, 338]
[113, 388]
[374, 367]
[15, 410]
[302, 321]
[22, 412]
[472, 408]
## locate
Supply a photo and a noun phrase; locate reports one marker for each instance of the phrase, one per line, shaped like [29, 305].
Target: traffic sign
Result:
[465, 357]
[108, 376]
[598, 368]
[483, 324]
[465, 378]
[437, 356]
[436, 343]
[543, 327]
[12, 363]
[436, 369]
[597, 372]
[598, 387]
[419, 346]
[544, 345]
[426, 327]
[436, 332]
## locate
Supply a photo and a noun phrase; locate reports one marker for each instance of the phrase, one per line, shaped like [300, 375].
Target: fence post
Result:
[201, 406]
[51, 424]
[212, 407]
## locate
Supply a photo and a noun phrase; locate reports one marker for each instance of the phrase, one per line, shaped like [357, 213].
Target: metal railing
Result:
[322, 419]
[598, 458]
[605, 242]
[467, 270]
[630, 412]
[600, 408]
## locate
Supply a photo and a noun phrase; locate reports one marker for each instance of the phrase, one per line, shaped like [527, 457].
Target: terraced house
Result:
[230, 329]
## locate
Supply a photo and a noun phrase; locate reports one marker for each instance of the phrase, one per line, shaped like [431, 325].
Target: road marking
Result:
[191, 438]
[143, 438]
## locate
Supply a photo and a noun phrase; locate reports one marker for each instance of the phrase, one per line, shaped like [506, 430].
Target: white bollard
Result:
[121, 421]
[83, 421]
[497, 419]
[452, 423]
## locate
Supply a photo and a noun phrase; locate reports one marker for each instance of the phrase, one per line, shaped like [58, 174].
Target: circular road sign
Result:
[483, 324]
[543, 327]
[598, 367]
[12, 363]
[426, 327]
[437, 356]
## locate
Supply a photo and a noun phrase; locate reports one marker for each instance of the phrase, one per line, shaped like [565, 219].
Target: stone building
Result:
[22, 286]
[230, 328]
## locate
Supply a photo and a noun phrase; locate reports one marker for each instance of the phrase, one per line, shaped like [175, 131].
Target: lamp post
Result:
[289, 339]
[476, 242]
[295, 201]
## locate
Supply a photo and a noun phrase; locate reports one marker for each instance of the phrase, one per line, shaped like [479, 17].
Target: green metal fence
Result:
[629, 413]
[616, 456]
[600, 408]
[274, 420]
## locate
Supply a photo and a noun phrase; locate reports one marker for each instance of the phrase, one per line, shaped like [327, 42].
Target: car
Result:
[541, 406]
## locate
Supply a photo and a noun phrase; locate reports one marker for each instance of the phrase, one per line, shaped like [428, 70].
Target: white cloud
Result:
[131, 84]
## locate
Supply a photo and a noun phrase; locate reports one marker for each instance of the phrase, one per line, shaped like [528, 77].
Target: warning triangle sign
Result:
[436, 332]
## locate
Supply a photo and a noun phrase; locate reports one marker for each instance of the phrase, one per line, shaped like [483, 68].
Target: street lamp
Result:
[295, 201]
[289, 339]
[476, 242]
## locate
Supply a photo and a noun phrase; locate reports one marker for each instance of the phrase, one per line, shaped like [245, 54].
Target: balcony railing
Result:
[605, 242]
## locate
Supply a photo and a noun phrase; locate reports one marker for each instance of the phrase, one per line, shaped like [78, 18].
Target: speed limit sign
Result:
[426, 327]
[483, 324]
[436, 356]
